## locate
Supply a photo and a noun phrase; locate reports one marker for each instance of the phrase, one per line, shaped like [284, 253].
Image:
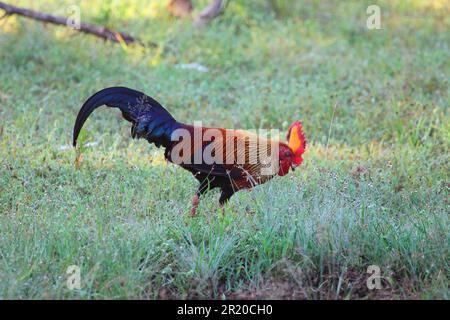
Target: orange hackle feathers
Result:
[296, 141]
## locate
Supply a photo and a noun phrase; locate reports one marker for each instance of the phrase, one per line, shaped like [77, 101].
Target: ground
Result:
[373, 189]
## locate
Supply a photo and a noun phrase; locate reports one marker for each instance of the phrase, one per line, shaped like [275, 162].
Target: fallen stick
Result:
[213, 10]
[98, 31]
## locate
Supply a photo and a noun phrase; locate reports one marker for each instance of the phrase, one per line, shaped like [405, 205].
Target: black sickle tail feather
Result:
[150, 120]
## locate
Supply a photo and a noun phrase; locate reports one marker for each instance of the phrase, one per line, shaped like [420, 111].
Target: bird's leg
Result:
[195, 202]
[224, 197]
[222, 208]
[202, 188]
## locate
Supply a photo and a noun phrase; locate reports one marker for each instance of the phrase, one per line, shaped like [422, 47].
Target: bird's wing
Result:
[247, 157]
[239, 155]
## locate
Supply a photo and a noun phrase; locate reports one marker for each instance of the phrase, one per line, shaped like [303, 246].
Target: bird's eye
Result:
[287, 154]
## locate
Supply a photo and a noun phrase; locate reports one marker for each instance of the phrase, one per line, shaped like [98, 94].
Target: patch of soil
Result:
[352, 285]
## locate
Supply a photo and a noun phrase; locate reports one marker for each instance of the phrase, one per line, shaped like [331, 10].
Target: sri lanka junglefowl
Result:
[218, 158]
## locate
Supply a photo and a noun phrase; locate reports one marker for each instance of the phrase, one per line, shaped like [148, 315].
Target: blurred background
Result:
[268, 62]
[373, 187]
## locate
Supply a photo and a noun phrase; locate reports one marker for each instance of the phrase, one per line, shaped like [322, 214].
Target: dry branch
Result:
[214, 9]
[98, 31]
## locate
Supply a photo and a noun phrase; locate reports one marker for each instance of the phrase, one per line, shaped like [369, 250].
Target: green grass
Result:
[373, 190]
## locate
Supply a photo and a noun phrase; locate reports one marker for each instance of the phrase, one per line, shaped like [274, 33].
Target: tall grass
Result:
[373, 190]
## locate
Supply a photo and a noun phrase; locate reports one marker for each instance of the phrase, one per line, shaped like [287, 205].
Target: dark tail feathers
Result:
[150, 120]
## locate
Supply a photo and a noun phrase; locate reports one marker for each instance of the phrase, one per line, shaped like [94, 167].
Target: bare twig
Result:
[98, 31]
[213, 10]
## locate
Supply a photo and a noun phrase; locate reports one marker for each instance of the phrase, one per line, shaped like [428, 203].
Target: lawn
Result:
[373, 188]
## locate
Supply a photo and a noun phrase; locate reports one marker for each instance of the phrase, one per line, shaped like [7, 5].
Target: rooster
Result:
[218, 158]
